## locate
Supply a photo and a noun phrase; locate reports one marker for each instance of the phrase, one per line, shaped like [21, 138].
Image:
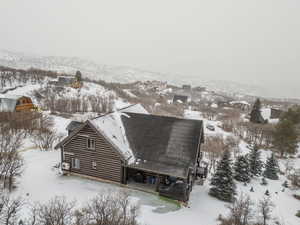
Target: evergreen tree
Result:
[267, 193]
[285, 184]
[78, 76]
[272, 168]
[241, 169]
[255, 163]
[223, 186]
[285, 137]
[264, 181]
[255, 115]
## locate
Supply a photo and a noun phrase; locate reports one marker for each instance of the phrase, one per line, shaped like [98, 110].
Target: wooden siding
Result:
[109, 164]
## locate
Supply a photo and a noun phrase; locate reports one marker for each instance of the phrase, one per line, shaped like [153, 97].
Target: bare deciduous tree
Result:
[241, 212]
[9, 209]
[265, 209]
[44, 139]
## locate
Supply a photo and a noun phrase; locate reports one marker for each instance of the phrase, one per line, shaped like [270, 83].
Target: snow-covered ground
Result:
[41, 181]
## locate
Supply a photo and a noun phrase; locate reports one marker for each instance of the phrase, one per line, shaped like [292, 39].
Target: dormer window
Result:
[90, 143]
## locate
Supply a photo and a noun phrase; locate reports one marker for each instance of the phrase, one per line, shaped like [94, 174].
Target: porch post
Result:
[157, 183]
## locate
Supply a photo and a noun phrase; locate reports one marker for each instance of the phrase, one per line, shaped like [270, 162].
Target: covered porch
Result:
[165, 185]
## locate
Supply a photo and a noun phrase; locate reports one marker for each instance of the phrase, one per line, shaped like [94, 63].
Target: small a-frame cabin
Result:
[131, 147]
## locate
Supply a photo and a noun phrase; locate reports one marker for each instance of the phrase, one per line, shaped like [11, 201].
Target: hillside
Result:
[63, 104]
[122, 74]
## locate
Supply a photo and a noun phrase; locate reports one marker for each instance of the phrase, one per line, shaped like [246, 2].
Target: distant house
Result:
[242, 105]
[187, 87]
[222, 104]
[181, 99]
[66, 81]
[133, 148]
[16, 103]
[199, 89]
[276, 113]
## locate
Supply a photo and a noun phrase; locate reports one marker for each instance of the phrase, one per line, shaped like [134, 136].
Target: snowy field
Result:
[41, 182]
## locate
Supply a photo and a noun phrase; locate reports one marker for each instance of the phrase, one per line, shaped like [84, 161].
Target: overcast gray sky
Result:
[250, 41]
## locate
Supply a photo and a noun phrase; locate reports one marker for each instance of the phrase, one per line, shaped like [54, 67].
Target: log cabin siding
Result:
[109, 164]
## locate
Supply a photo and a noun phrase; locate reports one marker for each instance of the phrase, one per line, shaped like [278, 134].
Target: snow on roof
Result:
[239, 102]
[8, 104]
[266, 114]
[112, 127]
[137, 108]
[214, 105]
[14, 97]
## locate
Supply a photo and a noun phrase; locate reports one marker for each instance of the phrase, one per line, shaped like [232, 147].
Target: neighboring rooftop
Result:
[180, 98]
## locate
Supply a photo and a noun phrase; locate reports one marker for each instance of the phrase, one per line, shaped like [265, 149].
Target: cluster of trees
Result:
[35, 126]
[283, 137]
[11, 162]
[215, 146]
[286, 133]
[55, 101]
[243, 212]
[8, 76]
[104, 209]
[244, 168]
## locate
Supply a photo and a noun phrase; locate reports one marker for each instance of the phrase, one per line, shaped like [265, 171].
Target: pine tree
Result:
[285, 184]
[255, 115]
[285, 137]
[264, 181]
[272, 168]
[255, 163]
[223, 186]
[78, 76]
[241, 169]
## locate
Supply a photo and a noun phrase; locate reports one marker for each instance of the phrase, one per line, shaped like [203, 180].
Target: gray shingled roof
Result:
[167, 145]
[73, 125]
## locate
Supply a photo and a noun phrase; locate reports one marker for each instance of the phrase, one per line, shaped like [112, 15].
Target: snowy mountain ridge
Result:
[122, 74]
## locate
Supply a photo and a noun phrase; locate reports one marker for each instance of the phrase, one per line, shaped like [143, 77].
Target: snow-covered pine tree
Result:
[223, 186]
[271, 170]
[255, 163]
[255, 115]
[241, 169]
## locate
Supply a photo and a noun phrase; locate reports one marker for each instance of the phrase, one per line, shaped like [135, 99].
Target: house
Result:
[187, 87]
[242, 105]
[181, 98]
[67, 81]
[16, 104]
[133, 148]
[276, 113]
[199, 89]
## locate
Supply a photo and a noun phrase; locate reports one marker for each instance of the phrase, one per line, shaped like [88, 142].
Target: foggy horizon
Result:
[253, 42]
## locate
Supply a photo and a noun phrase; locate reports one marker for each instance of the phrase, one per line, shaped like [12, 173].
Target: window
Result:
[94, 165]
[90, 143]
[75, 163]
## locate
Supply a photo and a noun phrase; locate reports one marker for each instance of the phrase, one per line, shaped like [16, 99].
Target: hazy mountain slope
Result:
[117, 73]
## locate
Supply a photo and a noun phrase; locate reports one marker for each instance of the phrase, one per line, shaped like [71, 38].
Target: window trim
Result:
[73, 163]
[94, 165]
[87, 144]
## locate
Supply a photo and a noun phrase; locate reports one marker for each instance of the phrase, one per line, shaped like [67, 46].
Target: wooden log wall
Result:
[109, 164]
